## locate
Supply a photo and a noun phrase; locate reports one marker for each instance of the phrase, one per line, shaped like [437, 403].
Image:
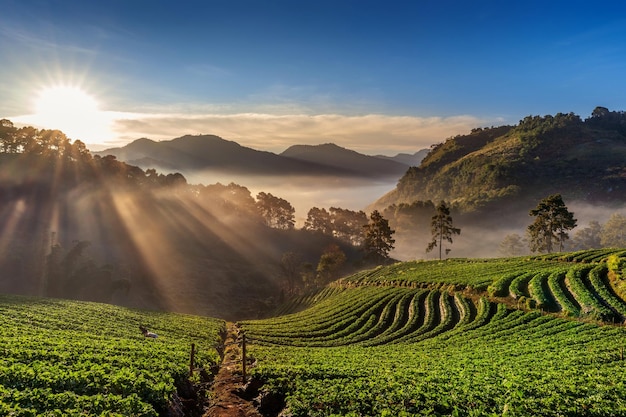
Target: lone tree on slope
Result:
[378, 241]
[441, 227]
[552, 220]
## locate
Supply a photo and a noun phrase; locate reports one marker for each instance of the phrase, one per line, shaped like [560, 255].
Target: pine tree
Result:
[441, 227]
[552, 220]
[378, 240]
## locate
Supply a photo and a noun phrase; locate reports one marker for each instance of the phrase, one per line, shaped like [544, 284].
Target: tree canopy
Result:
[442, 228]
[552, 221]
[378, 241]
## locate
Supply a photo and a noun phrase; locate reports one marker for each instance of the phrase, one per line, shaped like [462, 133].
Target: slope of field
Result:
[521, 336]
[69, 358]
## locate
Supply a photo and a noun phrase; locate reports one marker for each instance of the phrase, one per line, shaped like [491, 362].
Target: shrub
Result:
[617, 266]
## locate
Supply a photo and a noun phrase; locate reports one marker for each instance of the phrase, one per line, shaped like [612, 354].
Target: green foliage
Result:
[617, 265]
[378, 240]
[552, 220]
[381, 345]
[330, 264]
[277, 212]
[344, 224]
[76, 358]
[540, 156]
[441, 228]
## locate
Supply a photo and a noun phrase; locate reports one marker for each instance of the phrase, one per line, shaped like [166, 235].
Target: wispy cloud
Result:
[369, 134]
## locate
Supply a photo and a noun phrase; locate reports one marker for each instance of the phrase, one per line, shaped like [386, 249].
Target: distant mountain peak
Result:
[339, 157]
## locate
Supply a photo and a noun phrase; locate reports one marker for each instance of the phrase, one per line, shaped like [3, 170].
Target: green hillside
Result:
[581, 159]
[519, 336]
[71, 358]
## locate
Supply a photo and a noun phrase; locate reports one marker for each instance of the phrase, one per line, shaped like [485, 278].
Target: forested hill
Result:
[584, 160]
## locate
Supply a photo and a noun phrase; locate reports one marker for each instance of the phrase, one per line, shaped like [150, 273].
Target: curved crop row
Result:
[599, 281]
[590, 305]
[575, 289]
[562, 296]
[519, 286]
[371, 318]
[539, 290]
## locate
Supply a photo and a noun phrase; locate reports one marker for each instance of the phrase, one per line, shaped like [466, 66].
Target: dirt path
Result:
[224, 399]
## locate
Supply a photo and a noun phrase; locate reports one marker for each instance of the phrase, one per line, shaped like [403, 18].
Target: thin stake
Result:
[243, 355]
[191, 359]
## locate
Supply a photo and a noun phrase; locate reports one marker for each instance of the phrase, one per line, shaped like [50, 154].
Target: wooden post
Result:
[191, 359]
[243, 357]
[621, 353]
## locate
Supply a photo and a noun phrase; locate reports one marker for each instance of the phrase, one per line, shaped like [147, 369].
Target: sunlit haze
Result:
[73, 111]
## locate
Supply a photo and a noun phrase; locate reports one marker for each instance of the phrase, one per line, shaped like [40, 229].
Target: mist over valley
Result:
[204, 225]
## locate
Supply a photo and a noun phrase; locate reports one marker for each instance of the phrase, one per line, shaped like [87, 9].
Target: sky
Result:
[378, 77]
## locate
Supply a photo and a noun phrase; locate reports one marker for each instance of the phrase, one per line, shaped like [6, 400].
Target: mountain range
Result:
[192, 153]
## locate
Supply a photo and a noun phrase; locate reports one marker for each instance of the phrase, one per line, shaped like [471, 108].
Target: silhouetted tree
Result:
[291, 268]
[512, 245]
[441, 228]
[330, 264]
[348, 225]
[275, 211]
[319, 220]
[589, 237]
[378, 240]
[614, 231]
[410, 217]
[552, 220]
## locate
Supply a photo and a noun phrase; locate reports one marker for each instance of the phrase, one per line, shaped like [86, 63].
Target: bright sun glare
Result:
[71, 110]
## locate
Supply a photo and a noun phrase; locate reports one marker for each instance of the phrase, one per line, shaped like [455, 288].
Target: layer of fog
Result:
[305, 192]
[482, 242]
[355, 194]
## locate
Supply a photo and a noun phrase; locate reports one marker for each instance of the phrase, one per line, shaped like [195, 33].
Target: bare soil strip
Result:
[224, 399]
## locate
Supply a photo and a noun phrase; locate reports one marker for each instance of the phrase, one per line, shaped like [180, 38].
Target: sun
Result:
[65, 101]
[71, 110]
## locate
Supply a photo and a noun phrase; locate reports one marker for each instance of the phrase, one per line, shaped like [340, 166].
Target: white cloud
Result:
[369, 134]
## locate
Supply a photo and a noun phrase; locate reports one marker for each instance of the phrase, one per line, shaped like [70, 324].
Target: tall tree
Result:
[348, 225]
[330, 264]
[589, 237]
[378, 241]
[441, 227]
[319, 220]
[512, 245]
[614, 231]
[276, 212]
[552, 220]
[291, 267]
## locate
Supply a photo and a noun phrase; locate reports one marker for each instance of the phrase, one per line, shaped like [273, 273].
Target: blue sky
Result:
[374, 76]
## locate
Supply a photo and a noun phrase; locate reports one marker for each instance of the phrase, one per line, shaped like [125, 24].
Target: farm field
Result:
[533, 336]
[71, 358]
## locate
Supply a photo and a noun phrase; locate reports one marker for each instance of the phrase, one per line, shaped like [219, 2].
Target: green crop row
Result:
[412, 348]
[63, 357]
[518, 364]
[591, 305]
[598, 279]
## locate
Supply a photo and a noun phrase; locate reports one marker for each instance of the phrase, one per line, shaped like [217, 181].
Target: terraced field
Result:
[521, 336]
